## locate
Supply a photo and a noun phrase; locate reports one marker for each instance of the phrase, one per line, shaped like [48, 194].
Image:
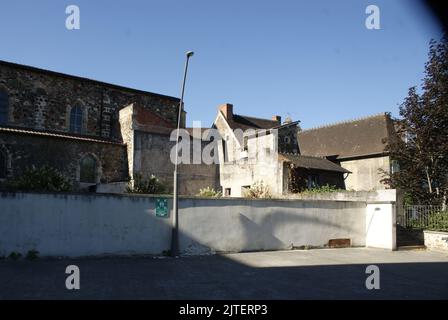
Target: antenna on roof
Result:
[288, 118]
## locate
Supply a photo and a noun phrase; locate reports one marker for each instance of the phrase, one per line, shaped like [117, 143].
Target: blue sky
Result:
[313, 60]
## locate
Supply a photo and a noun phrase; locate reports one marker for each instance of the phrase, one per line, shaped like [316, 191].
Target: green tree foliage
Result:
[322, 189]
[41, 179]
[209, 193]
[422, 151]
[258, 190]
[147, 185]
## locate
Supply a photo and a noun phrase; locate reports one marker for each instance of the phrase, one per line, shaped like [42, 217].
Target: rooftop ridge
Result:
[57, 134]
[264, 119]
[302, 155]
[70, 76]
[346, 121]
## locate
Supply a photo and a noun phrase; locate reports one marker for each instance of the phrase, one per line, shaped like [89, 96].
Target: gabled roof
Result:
[307, 162]
[350, 139]
[246, 122]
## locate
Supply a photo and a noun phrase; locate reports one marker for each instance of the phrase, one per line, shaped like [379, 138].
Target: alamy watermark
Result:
[373, 280]
[373, 20]
[209, 146]
[73, 20]
[72, 282]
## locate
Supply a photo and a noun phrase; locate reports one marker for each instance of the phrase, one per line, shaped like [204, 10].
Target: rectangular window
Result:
[267, 151]
[227, 192]
[224, 150]
[4, 100]
[245, 143]
[394, 166]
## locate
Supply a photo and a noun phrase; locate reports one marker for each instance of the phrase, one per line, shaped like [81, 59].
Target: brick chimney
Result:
[277, 118]
[227, 110]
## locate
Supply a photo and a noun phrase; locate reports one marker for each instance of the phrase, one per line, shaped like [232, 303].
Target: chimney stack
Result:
[277, 118]
[227, 110]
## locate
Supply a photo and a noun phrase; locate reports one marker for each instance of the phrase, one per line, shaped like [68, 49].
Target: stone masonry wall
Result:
[25, 151]
[435, 240]
[43, 99]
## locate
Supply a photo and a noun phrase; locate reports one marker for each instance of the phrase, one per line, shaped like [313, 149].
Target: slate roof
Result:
[68, 76]
[54, 134]
[308, 162]
[351, 139]
[246, 122]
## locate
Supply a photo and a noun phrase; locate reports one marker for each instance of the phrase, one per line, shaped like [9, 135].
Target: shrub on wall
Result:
[322, 189]
[40, 179]
[435, 221]
[209, 193]
[147, 185]
[258, 190]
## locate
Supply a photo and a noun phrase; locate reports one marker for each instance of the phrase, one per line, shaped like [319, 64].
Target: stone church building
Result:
[73, 124]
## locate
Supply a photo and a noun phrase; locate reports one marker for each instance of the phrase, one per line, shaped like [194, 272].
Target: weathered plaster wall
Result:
[365, 173]
[245, 225]
[79, 225]
[241, 169]
[152, 156]
[127, 134]
[237, 176]
[381, 225]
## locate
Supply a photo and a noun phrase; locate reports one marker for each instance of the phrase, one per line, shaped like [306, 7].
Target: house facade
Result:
[266, 150]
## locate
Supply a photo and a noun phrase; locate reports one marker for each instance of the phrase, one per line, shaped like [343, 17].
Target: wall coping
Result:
[436, 232]
[381, 202]
[4, 194]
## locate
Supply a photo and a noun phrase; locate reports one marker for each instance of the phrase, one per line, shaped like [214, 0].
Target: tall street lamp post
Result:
[175, 226]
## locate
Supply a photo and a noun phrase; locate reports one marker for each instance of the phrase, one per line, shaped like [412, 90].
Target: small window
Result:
[76, 119]
[394, 166]
[267, 151]
[225, 156]
[3, 165]
[227, 192]
[88, 170]
[287, 139]
[245, 143]
[4, 107]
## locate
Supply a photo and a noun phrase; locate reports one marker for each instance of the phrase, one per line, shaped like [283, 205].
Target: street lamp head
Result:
[189, 54]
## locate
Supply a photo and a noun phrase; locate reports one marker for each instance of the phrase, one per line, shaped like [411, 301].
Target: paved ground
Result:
[313, 274]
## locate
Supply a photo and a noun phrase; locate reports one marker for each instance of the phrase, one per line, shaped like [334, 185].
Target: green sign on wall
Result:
[161, 207]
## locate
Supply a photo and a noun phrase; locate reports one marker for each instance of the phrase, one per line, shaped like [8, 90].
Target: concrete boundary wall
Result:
[103, 224]
[381, 225]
